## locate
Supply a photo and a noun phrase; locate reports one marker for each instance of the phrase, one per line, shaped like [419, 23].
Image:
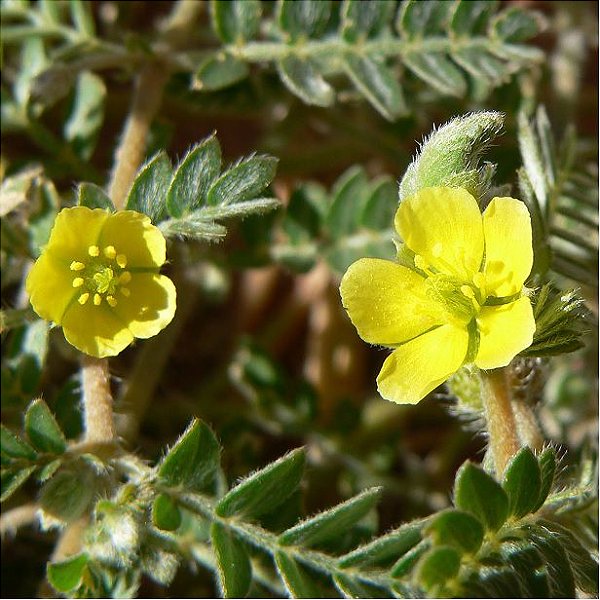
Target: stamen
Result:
[126, 292]
[97, 299]
[467, 291]
[94, 251]
[77, 282]
[112, 301]
[125, 277]
[122, 260]
[83, 298]
[110, 252]
[421, 263]
[77, 266]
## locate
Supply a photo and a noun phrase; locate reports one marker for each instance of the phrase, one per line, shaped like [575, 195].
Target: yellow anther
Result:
[467, 291]
[77, 282]
[126, 292]
[83, 298]
[122, 260]
[437, 250]
[421, 263]
[125, 277]
[97, 299]
[112, 301]
[77, 266]
[110, 252]
[94, 251]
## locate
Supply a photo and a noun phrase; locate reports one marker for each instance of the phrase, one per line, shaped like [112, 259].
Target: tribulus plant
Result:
[268, 206]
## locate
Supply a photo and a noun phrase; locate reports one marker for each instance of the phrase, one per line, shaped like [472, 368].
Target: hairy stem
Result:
[131, 150]
[15, 518]
[501, 425]
[97, 400]
[527, 425]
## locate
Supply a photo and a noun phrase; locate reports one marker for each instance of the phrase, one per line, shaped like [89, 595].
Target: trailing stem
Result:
[501, 424]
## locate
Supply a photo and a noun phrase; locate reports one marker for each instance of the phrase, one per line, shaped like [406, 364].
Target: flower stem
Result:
[97, 400]
[131, 150]
[502, 428]
[527, 425]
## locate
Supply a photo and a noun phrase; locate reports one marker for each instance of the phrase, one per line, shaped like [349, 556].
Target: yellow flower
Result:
[461, 301]
[98, 278]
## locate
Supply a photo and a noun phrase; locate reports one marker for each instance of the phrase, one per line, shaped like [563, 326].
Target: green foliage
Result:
[443, 44]
[442, 555]
[562, 198]
[561, 320]
[338, 91]
[355, 219]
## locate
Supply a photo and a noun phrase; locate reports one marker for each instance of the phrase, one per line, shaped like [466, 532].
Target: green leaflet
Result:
[522, 482]
[457, 529]
[43, 430]
[298, 582]
[149, 189]
[235, 20]
[330, 523]
[265, 490]
[234, 568]
[193, 177]
[304, 80]
[219, 71]
[67, 575]
[193, 462]
[93, 196]
[165, 513]
[479, 494]
[14, 447]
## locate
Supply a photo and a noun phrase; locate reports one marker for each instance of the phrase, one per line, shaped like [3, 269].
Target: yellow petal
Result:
[50, 287]
[74, 230]
[386, 302]
[443, 226]
[508, 246]
[504, 331]
[416, 368]
[150, 305]
[133, 235]
[95, 330]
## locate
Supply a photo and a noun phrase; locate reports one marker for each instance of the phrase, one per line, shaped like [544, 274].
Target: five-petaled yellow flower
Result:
[98, 278]
[462, 299]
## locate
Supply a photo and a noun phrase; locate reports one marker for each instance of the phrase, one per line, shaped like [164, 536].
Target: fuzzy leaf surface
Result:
[477, 493]
[266, 489]
[43, 430]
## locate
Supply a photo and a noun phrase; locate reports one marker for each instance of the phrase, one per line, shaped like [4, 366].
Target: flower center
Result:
[463, 301]
[102, 276]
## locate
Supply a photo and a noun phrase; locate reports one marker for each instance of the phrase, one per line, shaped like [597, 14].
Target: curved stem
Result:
[502, 428]
[527, 425]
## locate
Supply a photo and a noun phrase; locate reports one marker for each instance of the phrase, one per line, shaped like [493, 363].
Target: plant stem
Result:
[97, 400]
[131, 150]
[16, 518]
[502, 428]
[527, 425]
